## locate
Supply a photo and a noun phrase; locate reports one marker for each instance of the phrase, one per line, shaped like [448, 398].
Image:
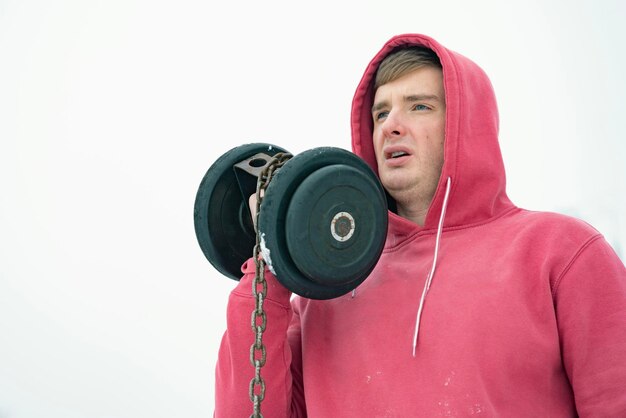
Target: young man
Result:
[475, 307]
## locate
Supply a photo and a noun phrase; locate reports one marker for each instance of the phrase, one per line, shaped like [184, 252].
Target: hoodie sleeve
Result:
[591, 312]
[234, 370]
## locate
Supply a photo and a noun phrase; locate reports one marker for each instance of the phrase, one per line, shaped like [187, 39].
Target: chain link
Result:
[258, 353]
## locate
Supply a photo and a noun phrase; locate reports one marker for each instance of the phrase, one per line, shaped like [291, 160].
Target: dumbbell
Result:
[322, 219]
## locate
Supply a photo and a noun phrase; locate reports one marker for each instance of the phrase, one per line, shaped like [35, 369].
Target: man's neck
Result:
[414, 214]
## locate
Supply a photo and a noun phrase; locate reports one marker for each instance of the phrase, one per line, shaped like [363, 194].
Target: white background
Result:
[112, 111]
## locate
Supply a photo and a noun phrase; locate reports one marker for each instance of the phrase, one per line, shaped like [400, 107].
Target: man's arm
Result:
[591, 312]
[234, 370]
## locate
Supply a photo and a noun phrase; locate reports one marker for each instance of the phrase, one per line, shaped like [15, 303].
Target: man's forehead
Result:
[408, 98]
[422, 84]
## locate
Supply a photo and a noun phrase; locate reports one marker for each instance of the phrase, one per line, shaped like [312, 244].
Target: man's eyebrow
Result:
[409, 99]
[419, 97]
[377, 106]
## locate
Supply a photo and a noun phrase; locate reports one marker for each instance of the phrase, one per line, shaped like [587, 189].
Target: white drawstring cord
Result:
[432, 270]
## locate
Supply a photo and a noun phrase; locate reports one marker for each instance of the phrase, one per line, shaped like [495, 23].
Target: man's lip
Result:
[397, 162]
[389, 151]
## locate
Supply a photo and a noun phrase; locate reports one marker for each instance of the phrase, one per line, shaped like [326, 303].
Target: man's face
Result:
[409, 131]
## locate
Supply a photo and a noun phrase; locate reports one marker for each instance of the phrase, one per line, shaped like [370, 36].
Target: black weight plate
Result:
[222, 221]
[336, 225]
[273, 219]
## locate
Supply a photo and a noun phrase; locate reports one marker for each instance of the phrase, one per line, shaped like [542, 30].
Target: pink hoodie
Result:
[525, 315]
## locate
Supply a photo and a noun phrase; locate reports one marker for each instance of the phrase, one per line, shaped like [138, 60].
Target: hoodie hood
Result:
[472, 157]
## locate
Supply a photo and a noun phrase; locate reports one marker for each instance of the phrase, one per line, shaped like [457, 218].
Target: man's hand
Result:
[252, 205]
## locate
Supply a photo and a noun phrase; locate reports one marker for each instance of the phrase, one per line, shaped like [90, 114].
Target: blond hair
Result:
[402, 61]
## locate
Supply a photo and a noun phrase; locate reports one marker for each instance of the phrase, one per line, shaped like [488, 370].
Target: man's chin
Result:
[395, 182]
[397, 190]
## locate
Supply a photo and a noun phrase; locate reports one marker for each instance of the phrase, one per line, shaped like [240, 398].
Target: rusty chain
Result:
[258, 353]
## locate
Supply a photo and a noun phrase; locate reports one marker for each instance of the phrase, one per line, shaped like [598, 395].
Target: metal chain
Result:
[258, 353]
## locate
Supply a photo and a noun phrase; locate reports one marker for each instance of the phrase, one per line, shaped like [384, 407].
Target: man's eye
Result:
[381, 115]
[420, 107]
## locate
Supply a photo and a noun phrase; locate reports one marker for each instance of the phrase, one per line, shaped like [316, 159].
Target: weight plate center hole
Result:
[342, 226]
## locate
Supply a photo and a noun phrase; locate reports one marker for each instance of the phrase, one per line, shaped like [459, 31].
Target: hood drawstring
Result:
[429, 279]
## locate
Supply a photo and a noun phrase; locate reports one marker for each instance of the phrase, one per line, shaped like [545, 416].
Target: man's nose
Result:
[393, 125]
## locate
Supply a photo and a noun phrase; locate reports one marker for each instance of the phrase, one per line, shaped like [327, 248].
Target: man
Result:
[475, 307]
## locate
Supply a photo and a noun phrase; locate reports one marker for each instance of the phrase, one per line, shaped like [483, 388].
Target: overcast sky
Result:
[112, 111]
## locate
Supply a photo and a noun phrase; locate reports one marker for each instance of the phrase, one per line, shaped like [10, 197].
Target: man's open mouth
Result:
[397, 154]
